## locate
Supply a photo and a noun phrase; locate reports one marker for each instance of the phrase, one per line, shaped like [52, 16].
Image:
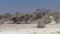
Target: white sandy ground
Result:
[28, 29]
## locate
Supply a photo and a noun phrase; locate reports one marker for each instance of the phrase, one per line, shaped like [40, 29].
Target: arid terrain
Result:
[28, 29]
[36, 23]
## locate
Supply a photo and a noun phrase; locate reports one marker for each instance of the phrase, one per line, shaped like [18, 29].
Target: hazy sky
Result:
[28, 6]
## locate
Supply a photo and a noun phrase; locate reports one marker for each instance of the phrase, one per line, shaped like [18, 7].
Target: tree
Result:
[8, 15]
[1, 16]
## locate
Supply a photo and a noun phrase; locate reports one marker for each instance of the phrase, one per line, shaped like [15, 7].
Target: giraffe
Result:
[36, 13]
